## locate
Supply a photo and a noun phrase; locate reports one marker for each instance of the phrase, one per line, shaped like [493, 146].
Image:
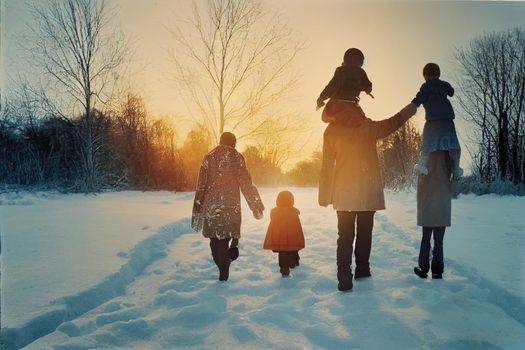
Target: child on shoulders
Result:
[439, 132]
[344, 88]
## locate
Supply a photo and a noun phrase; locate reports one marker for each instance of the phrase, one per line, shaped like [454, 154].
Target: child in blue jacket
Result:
[439, 132]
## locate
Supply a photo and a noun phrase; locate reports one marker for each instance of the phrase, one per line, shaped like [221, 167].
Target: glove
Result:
[258, 214]
[234, 243]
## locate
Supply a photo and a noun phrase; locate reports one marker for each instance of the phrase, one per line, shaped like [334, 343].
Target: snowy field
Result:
[124, 270]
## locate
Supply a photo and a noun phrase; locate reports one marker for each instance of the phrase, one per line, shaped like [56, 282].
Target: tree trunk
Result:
[503, 146]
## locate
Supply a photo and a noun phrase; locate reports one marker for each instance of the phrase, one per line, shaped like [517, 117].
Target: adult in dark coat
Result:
[434, 203]
[217, 205]
[351, 181]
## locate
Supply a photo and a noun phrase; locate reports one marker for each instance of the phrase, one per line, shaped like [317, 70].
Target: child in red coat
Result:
[285, 234]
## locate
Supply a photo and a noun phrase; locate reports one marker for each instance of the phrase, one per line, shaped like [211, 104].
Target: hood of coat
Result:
[285, 199]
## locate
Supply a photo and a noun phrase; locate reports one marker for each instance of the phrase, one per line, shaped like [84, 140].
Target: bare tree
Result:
[397, 155]
[280, 140]
[306, 172]
[233, 61]
[492, 94]
[198, 142]
[80, 55]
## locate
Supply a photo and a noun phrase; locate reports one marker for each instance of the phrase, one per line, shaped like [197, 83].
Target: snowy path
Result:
[176, 301]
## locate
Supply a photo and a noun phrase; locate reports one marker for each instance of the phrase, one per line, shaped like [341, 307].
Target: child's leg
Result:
[437, 253]
[284, 263]
[294, 259]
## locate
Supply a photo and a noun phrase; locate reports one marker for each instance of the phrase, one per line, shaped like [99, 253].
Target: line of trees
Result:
[130, 150]
[133, 150]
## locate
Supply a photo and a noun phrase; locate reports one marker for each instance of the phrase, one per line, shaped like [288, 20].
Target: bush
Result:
[472, 184]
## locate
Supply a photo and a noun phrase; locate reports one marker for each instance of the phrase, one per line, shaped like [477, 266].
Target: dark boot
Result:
[420, 272]
[224, 273]
[285, 271]
[437, 276]
[362, 274]
[345, 281]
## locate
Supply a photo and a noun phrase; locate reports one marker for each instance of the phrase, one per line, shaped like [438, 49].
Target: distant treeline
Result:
[133, 151]
[130, 150]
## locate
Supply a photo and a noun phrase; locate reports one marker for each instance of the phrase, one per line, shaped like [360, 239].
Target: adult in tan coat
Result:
[351, 181]
[434, 202]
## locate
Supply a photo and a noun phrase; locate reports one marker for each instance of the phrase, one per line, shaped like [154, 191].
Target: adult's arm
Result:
[248, 189]
[326, 179]
[383, 128]
[197, 216]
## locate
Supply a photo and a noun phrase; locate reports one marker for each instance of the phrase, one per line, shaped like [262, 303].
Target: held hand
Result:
[258, 214]
[409, 110]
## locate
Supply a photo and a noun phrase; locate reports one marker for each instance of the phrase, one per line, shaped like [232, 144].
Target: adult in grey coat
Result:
[434, 197]
[217, 205]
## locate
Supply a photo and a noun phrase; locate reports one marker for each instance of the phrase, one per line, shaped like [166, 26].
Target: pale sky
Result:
[397, 38]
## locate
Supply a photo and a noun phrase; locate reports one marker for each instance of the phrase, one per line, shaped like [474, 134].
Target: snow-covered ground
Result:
[125, 270]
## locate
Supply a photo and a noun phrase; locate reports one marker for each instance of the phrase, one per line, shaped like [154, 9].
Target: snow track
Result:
[69, 308]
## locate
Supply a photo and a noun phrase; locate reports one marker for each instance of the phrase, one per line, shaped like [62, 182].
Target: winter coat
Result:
[434, 192]
[284, 233]
[217, 205]
[433, 95]
[350, 176]
[346, 84]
